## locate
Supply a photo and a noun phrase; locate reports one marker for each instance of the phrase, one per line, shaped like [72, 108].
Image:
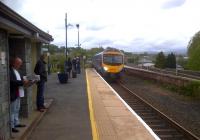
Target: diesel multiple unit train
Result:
[109, 63]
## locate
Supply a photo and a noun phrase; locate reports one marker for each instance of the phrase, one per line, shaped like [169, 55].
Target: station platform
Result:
[85, 108]
[111, 117]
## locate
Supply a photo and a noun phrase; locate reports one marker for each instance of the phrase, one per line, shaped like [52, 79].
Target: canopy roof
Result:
[17, 26]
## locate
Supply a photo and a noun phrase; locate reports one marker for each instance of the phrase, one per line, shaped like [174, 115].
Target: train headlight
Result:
[105, 68]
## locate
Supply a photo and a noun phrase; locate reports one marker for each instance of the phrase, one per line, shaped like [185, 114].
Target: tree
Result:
[77, 51]
[51, 48]
[91, 52]
[160, 60]
[193, 52]
[171, 61]
[182, 61]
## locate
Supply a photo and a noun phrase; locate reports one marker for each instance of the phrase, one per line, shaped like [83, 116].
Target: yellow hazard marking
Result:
[95, 134]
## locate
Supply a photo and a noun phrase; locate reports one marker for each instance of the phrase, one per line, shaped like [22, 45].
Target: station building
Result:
[18, 37]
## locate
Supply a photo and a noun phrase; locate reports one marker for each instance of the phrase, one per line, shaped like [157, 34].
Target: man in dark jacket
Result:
[69, 66]
[16, 91]
[40, 69]
[78, 65]
[74, 64]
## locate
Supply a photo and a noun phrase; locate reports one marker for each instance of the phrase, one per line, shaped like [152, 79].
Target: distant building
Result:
[146, 62]
[179, 67]
[146, 65]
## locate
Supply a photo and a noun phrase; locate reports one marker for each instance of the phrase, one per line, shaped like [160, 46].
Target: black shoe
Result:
[15, 130]
[40, 110]
[20, 125]
[44, 107]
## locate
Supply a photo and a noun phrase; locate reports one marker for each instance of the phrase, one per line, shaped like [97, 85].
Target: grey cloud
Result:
[171, 46]
[89, 39]
[168, 43]
[60, 43]
[138, 45]
[13, 4]
[142, 45]
[106, 42]
[60, 27]
[95, 27]
[173, 4]
[138, 41]
[96, 42]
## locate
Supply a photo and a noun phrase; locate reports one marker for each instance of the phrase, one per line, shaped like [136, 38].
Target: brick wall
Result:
[4, 88]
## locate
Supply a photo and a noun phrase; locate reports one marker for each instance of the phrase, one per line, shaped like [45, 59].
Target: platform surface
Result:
[83, 109]
[68, 117]
[112, 119]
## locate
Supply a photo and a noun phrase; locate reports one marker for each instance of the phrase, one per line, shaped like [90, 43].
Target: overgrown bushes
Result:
[191, 89]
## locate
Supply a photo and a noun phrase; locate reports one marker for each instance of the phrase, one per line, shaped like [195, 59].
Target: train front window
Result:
[113, 59]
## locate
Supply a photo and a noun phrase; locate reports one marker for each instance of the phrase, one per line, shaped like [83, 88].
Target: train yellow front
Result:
[109, 63]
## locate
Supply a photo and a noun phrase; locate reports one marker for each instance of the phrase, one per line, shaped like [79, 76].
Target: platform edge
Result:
[95, 134]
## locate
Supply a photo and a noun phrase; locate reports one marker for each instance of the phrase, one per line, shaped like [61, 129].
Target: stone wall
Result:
[22, 48]
[12, 47]
[4, 88]
[28, 103]
[159, 77]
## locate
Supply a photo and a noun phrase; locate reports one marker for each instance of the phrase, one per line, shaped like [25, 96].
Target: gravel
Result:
[184, 110]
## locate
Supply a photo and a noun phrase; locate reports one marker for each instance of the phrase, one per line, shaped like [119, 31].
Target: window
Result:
[112, 59]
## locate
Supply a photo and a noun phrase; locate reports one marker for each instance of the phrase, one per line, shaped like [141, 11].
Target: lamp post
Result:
[49, 65]
[66, 35]
[77, 25]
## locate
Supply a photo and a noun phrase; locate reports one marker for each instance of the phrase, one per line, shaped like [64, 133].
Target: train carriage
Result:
[109, 63]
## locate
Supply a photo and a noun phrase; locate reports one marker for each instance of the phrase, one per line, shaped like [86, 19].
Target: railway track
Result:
[181, 73]
[163, 126]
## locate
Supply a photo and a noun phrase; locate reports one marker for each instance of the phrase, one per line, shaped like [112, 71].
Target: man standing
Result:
[16, 91]
[40, 69]
[78, 65]
[69, 66]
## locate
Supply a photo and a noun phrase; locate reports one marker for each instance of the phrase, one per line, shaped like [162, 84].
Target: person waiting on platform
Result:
[74, 68]
[40, 69]
[16, 92]
[69, 66]
[78, 65]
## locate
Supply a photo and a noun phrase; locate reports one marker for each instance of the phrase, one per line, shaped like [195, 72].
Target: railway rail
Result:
[181, 73]
[163, 126]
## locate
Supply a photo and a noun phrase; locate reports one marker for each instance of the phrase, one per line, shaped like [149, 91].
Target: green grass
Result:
[192, 89]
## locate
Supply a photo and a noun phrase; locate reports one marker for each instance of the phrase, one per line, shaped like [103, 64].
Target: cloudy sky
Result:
[131, 25]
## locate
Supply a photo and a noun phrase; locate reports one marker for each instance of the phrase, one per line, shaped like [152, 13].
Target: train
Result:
[109, 63]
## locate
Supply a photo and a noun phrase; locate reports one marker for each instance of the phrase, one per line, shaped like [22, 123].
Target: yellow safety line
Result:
[95, 134]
